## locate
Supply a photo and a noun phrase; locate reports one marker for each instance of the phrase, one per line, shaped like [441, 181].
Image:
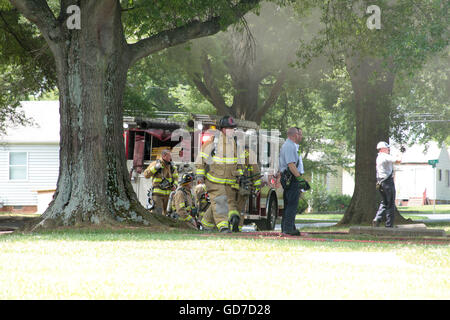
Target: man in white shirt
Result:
[385, 181]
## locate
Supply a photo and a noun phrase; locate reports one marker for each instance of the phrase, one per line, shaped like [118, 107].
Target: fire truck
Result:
[145, 138]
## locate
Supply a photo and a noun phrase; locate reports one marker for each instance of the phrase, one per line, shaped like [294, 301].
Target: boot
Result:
[224, 230]
[234, 222]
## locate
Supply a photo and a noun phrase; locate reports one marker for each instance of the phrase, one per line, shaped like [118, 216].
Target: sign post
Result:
[433, 165]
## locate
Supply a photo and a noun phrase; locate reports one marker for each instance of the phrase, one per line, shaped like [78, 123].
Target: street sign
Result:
[433, 162]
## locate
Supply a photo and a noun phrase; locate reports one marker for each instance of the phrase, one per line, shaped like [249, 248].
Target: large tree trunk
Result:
[372, 84]
[93, 185]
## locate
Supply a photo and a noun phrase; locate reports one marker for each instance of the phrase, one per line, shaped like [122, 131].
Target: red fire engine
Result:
[145, 138]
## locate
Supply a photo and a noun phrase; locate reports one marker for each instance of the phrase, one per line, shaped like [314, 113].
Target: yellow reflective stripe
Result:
[240, 171]
[182, 205]
[200, 171]
[222, 224]
[219, 180]
[160, 191]
[160, 179]
[257, 183]
[233, 213]
[207, 224]
[224, 160]
[204, 155]
[188, 218]
[153, 169]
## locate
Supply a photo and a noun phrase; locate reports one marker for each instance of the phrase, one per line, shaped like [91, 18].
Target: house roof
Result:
[419, 153]
[45, 115]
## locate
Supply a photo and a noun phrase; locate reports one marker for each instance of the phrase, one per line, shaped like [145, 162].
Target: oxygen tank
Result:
[170, 210]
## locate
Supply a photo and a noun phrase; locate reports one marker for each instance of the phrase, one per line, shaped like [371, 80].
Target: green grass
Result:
[440, 208]
[77, 264]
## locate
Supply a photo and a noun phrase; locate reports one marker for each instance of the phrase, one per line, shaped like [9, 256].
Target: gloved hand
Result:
[303, 183]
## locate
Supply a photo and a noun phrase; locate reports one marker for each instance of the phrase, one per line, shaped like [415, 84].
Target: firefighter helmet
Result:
[186, 178]
[227, 122]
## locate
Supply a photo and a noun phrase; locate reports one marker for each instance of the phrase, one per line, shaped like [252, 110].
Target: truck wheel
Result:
[273, 211]
[269, 223]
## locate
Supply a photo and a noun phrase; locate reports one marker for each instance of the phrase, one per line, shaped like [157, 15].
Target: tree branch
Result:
[215, 94]
[192, 30]
[200, 85]
[172, 38]
[39, 13]
[274, 93]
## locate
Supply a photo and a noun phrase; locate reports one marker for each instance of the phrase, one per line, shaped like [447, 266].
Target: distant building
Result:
[29, 159]
[416, 181]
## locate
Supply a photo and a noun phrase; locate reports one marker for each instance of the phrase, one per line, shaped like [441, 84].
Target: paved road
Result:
[434, 218]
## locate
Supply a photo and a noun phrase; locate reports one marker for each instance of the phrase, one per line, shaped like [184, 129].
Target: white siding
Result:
[43, 169]
[412, 180]
[443, 190]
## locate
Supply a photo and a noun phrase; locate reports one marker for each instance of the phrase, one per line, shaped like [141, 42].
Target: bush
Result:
[302, 206]
[338, 202]
[321, 200]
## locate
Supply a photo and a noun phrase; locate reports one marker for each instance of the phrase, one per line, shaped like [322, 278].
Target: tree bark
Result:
[372, 84]
[93, 185]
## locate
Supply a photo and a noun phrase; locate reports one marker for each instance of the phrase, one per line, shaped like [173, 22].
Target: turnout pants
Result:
[223, 205]
[242, 204]
[291, 196]
[387, 205]
[160, 204]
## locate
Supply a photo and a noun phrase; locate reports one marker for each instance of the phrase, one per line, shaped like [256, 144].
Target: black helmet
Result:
[227, 122]
[186, 178]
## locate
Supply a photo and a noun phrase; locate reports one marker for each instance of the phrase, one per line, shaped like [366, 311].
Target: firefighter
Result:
[202, 201]
[250, 182]
[164, 179]
[217, 167]
[184, 203]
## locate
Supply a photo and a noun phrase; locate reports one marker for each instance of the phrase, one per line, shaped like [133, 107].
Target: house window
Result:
[448, 178]
[18, 165]
[440, 175]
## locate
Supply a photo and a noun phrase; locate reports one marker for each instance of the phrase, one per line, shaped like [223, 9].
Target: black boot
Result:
[234, 222]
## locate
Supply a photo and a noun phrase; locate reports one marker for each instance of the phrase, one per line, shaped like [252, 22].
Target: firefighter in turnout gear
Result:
[183, 201]
[217, 167]
[164, 179]
[202, 201]
[250, 183]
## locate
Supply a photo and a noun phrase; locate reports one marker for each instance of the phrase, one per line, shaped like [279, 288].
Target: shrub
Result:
[321, 200]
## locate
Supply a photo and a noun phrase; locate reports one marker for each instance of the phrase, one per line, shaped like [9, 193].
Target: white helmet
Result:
[382, 144]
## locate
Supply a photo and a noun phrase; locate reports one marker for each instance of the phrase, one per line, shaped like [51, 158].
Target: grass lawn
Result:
[440, 208]
[137, 264]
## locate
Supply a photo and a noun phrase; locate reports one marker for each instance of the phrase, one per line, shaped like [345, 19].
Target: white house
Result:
[416, 181]
[29, 159]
